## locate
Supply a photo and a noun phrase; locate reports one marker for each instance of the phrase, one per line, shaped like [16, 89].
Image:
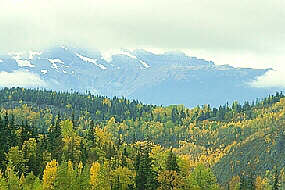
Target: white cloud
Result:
[240, 33]
[272, 78]
[20, 78]
[240, 59]
[255, 25]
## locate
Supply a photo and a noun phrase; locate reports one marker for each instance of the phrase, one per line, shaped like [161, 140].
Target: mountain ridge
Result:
[169, 78]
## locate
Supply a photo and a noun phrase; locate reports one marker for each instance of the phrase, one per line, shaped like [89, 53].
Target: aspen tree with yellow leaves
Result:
[49, 176]
[57, 141]
[94, 176]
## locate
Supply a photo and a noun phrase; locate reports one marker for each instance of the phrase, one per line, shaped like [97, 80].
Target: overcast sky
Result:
[243, 33]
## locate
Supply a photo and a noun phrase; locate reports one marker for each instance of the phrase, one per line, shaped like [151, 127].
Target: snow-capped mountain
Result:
[169, 78]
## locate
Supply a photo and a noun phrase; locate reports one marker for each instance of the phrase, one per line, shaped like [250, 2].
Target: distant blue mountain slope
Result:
[164, 79]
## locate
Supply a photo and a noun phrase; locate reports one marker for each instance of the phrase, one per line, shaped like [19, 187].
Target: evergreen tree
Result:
[171, 162]
[90, 134]
[174, 115]
[74, 123]
[146, 177]
[247, 182]
[276, 182]
[55, 140]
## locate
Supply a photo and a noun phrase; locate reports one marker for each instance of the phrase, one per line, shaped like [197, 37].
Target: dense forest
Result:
[61, 140]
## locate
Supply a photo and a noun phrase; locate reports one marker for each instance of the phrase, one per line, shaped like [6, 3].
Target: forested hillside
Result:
[53, 140]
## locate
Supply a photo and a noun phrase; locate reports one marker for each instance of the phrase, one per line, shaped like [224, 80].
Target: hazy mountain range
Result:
[169, 78]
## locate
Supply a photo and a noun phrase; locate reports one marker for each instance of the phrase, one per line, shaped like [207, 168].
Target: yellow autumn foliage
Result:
[50, 175]
[94, 175]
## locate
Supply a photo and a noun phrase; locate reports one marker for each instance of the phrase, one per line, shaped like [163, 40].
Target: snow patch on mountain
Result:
[63, 47]
[33, 53]
[20, 59]
[54, 66]
[16, 55]
[223, 67]
[55, 61]
[144, 64]
[44, 71]
[108, 54]
[90, 60]
[127, 53]
[156, 51]
[24, 63]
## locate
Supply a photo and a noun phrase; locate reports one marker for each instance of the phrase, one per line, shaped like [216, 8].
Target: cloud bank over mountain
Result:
[231, 31]
[20, 78]
[272, 78]
[255, 25]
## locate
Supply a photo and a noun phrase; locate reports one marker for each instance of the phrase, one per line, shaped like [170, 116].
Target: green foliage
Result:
[52, 140]
[247, 182]
[202, 178]
[145, 175]
[171, 162]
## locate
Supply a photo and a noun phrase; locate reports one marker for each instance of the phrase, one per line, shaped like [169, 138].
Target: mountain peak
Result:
[167, 78]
